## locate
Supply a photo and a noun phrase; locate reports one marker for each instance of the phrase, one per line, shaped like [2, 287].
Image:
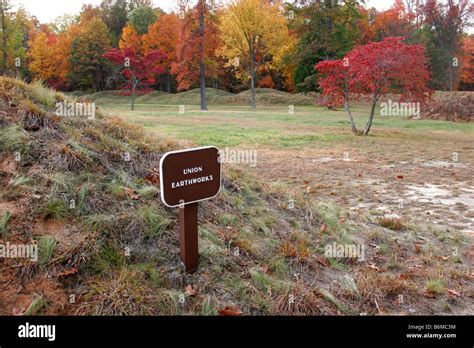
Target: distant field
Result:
[274, 126]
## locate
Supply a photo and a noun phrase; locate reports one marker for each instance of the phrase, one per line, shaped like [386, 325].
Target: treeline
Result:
[241, 44]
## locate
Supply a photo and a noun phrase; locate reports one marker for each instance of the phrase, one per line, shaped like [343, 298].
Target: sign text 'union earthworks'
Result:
[190, 176]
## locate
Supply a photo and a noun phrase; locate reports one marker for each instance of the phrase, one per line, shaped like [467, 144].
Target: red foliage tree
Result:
[196, 45]
[374, 70]
[136, 71]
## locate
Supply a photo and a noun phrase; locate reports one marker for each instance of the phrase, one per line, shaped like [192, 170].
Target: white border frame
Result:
[188, 150]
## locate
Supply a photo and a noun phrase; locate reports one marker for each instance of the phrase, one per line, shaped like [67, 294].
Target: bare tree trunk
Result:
[4, 39]
[351, 119]
[349, 112]
[371, 117]
[168, 82]
[253, 103]
[202, 74]
[133, 96]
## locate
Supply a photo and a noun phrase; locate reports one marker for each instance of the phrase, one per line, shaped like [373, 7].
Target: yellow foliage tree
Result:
[131, 39]
[48, 54]
[42, 63]
[250, 28]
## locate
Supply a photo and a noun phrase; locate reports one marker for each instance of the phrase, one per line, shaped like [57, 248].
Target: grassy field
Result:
[275, 126]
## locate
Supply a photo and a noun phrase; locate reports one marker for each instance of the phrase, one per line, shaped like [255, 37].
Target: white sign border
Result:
[162, 192]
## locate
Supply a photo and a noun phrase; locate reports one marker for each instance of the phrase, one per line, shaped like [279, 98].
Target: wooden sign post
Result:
[188, 177]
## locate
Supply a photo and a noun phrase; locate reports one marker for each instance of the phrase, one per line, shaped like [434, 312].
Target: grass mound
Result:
[87, 191]
[265, 96]
[193, 97]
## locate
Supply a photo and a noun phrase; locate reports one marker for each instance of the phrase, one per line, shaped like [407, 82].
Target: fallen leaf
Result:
[417, 248]
[322, 260]
[68, 272]
[131, 193]
[453, 292]
[188, 290]
[403, 276]
[375, 268]
[153, 177]
[18, 312]
[399, 176]
[323, 227]
[265, 268]
[230, 311]
[429, 294]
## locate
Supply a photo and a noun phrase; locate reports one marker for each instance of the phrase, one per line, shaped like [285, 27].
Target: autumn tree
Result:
[43, 64]
[4, 7]
[141, 18]
[396, 21]
[88, 67]
[326, 30]
[467, 64]
[19, 27]
[50, 50]
[441, 33]
[251, 26]
[136, 71]
[198, 40]
[374, 70]
[114, 13]
[365, 25]
[131, 39]
[62, 23]
[163, 35]
[62, 52]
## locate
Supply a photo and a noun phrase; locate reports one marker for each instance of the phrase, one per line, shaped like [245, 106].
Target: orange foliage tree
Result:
[163, 35]
[467, 64]
[188, 57]
[395, 21]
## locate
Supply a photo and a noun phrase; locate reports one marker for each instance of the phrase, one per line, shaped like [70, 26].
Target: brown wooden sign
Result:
[190, 176]
[186, 178]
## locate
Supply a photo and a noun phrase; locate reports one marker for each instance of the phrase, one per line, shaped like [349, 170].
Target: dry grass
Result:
[392, 223]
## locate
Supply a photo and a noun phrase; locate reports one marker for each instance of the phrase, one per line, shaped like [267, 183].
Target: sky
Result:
[47, 10]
